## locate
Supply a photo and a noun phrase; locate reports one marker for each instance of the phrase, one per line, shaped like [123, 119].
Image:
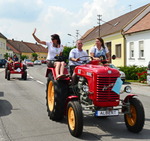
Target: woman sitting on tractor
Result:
[100, 50]
[54, 49]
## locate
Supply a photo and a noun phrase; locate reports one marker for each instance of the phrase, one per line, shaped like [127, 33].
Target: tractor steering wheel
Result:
[84, 61]
[102, 59]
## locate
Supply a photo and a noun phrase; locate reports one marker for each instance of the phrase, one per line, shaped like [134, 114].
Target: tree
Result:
[6, 56]
[24, 57]
[34, 55]
[66, 52]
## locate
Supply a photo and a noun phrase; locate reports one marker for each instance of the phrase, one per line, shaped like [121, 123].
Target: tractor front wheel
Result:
[134, 120]
[75, 118]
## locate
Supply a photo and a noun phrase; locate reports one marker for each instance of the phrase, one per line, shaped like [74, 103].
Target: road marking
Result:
[31, 77]
[1, 136]
[40, 82]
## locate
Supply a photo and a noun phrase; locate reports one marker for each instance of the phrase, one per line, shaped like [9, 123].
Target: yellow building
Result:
[2, 45]
[112, 33]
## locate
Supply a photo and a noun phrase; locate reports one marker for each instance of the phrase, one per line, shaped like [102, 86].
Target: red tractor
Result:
[94, 86]
[15, 68]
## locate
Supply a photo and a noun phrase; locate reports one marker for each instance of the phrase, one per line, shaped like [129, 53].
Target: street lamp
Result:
[72, 36]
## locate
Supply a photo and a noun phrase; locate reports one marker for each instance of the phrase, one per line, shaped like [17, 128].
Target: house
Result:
[2, 45]
[11, 50]
[38, 49]
[25, 48]
[113, 34]
[138, 42]
[20, 48]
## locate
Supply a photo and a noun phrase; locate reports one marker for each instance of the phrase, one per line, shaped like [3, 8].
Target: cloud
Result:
[21, 17]
[20, 10]
[90, 11]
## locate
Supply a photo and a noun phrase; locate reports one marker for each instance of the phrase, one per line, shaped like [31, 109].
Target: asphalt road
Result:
[23, 115]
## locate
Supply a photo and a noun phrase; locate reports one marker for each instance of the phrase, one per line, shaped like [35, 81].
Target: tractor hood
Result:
[101, 70]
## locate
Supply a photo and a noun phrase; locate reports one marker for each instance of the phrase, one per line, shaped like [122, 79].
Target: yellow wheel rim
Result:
[131, 118]
[51, 95]
[71, 118]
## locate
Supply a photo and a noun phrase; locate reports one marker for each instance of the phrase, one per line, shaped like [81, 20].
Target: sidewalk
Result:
[141, 84]
[2, 69]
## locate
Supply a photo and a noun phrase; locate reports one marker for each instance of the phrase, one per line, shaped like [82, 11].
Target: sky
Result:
[19, 18]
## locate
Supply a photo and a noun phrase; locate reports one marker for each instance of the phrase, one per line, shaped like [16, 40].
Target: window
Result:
[131, 50]
[118, 51]
[141, 49]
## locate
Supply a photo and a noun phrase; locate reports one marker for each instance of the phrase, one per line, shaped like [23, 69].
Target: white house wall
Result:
[135, 38]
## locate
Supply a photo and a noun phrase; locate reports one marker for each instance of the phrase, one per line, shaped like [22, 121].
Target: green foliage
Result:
[24, 57]
[143, 77]
[131, 71]
[6, 56]
[34, 55]
[66, 52]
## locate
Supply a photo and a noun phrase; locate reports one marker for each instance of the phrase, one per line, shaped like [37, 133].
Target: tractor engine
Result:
[84, 91]
[95, 83]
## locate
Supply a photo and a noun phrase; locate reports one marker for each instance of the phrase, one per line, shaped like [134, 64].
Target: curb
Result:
[140, 84]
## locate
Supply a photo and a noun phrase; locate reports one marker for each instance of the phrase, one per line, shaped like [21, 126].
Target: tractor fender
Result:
[128, 97]
[52, 70]
[70, 98]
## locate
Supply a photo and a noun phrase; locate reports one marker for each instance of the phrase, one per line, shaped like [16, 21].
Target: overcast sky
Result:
[18, 18]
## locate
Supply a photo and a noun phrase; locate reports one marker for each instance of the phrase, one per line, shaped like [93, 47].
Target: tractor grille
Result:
[103, 89]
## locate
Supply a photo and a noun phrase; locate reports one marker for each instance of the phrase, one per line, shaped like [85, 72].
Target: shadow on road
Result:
[112, 127]
[5, 107]
[20, 79]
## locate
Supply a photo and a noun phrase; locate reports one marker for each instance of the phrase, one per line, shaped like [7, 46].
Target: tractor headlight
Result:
[127, 89]
[85, 88]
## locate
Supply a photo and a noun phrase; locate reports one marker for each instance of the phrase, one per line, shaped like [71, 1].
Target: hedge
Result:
[131, 71]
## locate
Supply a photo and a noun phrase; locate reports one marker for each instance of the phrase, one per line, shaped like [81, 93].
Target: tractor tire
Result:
[75, 118]
[135, 119]
[55, 98]
[24, 75]
[8, 74]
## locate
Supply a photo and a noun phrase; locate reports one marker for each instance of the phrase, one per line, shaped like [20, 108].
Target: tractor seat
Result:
[17, 65]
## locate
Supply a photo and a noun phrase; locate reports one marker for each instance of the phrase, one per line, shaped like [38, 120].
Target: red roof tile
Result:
[12, 48]
[113, 26]
[143, 24]
[20, 46]
[36, 47]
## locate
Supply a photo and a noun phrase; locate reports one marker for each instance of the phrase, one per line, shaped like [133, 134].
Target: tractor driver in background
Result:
[75, 54]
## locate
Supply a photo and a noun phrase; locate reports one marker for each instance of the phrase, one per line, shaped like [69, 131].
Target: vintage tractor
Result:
[15, 68]
[94, 86]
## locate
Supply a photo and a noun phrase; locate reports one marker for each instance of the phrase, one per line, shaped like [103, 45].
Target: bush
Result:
[131, 71]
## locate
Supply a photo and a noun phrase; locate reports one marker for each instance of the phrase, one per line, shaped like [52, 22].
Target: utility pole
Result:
[99, 19]
[130, 7]
[77, 33]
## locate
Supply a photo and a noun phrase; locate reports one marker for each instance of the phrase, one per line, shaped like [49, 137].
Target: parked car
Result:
[122, 74]
[2, 62]
[28, 62]
[37, 62]
[44, 61]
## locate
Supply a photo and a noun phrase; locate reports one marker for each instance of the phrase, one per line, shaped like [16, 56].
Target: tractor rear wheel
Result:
[75, 118]
[24, 75]
[8, 74]
[55, 98]
[134, 120]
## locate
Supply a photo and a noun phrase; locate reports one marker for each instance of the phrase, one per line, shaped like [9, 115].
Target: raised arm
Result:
[37, 39]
